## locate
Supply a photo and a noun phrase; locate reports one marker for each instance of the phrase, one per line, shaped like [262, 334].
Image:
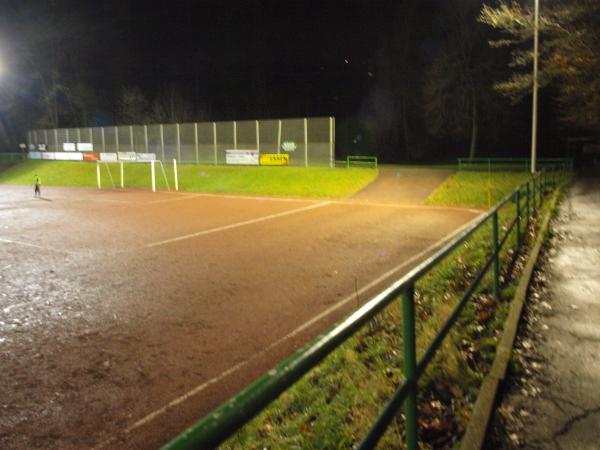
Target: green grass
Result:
[316, 182]
[476, 189]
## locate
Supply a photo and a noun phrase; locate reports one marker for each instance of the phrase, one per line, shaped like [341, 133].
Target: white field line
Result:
[29, 244]
[231, 196]
[237, 225]
[189, 196]
[160, 411]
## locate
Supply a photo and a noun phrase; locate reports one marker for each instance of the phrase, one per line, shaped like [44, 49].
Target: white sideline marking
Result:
[237, 225]
[29, 244]
[158, 412]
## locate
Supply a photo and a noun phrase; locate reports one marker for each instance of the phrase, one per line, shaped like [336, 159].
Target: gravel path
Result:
[554, 401]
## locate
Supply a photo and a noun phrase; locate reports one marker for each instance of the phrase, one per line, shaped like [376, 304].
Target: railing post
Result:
[541, 190]
[496, 255]
[533, 195]
[527, 208]
[518, 205]
[410, 366]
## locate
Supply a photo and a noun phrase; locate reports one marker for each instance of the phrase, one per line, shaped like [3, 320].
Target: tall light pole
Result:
[535, 86]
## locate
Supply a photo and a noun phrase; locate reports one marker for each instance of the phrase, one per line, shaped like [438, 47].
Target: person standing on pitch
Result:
[38, 184]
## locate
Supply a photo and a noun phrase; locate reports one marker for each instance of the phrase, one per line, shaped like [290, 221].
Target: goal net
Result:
[151, 175]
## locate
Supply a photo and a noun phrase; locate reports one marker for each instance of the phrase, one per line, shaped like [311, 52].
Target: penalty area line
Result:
[158, 412]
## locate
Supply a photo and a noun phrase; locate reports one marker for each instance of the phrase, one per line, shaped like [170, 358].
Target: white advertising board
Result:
[108, 157]
[66, 156]
[35, 155]
[127, 156]
[146, 156]
[85, 147]
[48, 155]
[242, 157]
[68, 147]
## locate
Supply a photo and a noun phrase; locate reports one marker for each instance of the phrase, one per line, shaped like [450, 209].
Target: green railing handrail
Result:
[231, 415]
[525, 162]
[361, 158]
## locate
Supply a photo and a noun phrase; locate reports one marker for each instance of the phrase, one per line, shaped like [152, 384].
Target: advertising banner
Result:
[92, 156]
[48, 155]
[85, 147]
[66, 156]
[242, 157]
[146, 157]
[127, 156]
[35, 155]
[68, 147]
[272, 159]
[108, 157]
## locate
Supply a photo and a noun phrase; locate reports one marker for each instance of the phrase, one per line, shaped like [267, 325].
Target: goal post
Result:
[151, 175]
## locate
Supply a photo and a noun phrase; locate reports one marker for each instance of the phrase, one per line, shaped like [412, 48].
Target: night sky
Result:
[236, 59]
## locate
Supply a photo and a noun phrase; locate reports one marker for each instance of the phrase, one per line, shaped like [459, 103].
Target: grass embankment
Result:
[316, 182]
[478, 189]
[335, 404]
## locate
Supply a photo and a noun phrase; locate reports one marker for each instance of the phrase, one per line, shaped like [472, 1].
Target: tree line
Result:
[453, 77]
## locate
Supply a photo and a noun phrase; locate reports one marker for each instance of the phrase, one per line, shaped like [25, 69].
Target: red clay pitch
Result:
[127, 316]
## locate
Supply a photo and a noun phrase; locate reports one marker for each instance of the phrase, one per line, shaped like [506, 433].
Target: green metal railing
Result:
[520, 164]
[370, 161]
[226, 419]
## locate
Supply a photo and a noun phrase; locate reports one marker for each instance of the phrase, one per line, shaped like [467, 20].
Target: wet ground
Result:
[126, 316]
[553, 401]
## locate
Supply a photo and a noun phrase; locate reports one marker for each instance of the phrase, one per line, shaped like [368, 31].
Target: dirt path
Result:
[554, 402]
[405, 186]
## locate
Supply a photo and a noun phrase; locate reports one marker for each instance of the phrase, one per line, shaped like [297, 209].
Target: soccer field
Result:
[127, 315]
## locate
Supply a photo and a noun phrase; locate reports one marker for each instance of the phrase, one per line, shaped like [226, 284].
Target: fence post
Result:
[496, 255]
[146, 138]
[196, 142]
[527, 208]
[305, 142]
[257, 136]
[162, 143]
[178, 128]
[55, 140]
[234, 135]
[410, 366]
[278, 137]
[131, 137]
[215, 142]
[176, 175]
[533, 196]
[518, 201]
[331, 157]
[117, 138]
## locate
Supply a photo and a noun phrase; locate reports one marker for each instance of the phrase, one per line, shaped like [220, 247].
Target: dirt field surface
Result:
[127, 316]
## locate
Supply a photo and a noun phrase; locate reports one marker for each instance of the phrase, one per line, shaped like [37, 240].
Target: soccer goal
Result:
[139, 175]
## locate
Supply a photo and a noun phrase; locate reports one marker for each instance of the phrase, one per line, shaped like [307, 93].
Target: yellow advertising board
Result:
[273, 159]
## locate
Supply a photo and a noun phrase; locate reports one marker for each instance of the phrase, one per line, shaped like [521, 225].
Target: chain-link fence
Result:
[307, 141]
